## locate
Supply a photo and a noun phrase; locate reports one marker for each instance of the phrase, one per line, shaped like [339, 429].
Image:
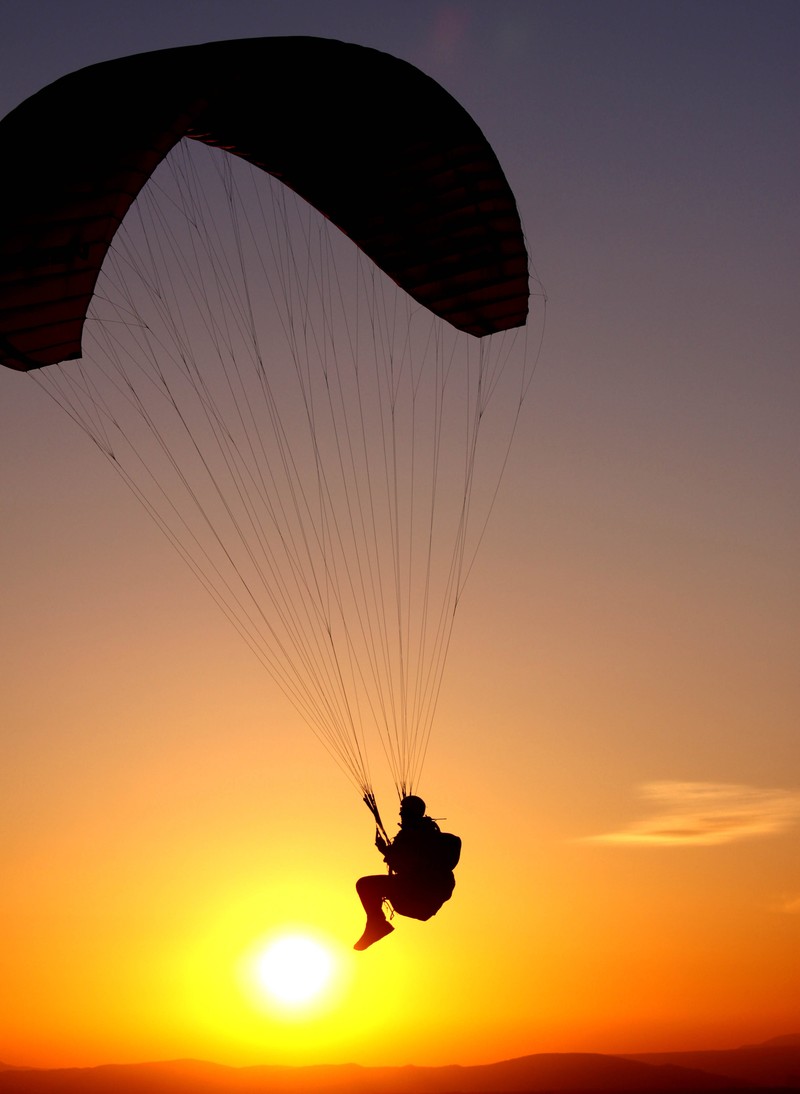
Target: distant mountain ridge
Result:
[774, 1065]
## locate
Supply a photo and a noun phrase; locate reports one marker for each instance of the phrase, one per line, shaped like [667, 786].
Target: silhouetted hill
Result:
[774, 1063]
[576, 1073]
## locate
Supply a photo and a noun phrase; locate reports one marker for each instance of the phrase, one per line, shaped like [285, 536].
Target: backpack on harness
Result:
[447, 850]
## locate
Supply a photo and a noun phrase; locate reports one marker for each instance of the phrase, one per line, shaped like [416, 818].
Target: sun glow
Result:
[294, 970]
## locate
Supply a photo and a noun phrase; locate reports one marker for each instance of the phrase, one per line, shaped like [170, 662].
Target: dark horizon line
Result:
[662, 1072]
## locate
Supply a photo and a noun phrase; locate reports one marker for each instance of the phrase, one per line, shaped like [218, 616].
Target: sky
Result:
[617, 738]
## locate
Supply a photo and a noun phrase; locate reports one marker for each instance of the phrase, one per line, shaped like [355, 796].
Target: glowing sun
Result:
[294, 969]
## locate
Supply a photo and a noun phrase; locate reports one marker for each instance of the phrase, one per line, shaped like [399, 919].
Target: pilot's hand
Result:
[381, 843]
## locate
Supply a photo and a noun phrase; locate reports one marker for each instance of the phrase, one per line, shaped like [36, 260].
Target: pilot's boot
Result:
[374, 930]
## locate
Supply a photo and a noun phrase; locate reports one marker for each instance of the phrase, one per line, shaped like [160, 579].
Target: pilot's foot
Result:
[375, 930]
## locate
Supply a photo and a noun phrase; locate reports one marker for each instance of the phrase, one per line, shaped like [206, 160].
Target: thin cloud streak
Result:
[704, 814]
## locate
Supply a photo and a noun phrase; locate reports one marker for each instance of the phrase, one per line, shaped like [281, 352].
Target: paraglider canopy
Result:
[298, 344]
[375, 145]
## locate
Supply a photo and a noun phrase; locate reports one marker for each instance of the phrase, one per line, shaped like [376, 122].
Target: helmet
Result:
[412, 806]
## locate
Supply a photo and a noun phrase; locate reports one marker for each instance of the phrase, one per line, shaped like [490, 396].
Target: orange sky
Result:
[617, 737]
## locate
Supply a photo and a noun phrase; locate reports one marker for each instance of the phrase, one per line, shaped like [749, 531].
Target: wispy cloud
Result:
[693, 814]
[791, 905]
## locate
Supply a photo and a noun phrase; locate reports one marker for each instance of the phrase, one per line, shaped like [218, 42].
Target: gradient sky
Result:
[617, 741]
